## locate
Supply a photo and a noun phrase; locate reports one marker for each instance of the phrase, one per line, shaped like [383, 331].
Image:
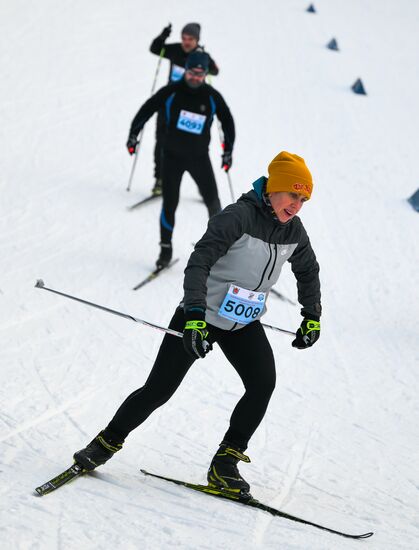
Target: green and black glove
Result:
[195, 335]
[307, 334]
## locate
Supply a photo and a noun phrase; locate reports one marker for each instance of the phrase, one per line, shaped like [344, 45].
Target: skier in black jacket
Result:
[177, 53]
[227, 283]
[189, 107]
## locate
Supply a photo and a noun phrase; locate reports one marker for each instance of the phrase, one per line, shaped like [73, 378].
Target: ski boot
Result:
[158, 187]
[97, 452]
[223, 473]
[166, 252]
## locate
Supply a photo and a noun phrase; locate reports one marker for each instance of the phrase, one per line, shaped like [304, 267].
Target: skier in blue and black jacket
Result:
[190, 106]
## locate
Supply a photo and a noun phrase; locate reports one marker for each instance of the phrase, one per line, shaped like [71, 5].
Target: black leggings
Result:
[200, 169]
[247, 349]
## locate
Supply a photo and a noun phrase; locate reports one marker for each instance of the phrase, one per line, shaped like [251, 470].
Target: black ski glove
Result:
[307, 334]
[165, 33]
[132, 144]
[226, 160]
[195, 335]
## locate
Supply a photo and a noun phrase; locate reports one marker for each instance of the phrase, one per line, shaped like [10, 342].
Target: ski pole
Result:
[137, 147]
[231, 186]
[134, 164]
[220, 133]
[161, 55]
[40, 284]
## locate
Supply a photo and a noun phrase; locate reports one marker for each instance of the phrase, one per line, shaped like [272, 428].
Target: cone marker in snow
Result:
[414, 200]
[333, 45]
[358, 87]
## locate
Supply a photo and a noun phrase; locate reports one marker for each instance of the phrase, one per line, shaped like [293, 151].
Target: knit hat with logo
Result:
[197, 60]
[288, 172]
[192, 29]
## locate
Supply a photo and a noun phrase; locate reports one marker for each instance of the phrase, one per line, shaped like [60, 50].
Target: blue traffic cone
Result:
[311, 8]
[414, 200]
[333, 45]
[358, 87]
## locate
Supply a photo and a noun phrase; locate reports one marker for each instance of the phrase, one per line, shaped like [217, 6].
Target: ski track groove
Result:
[55, 401]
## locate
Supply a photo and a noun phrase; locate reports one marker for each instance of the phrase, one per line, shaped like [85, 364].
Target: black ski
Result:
[154, 274]
[68, 475]
[250, 501]
[143, 201]
[282, 297]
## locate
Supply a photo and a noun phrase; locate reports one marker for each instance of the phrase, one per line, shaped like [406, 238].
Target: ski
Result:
[282, 297]
[154, 274]
[250, 501]
[68, 475]
[143, 201]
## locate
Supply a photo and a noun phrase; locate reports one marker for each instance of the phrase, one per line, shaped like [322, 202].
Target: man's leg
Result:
[200, 168]
[172, 171]
[158, 152]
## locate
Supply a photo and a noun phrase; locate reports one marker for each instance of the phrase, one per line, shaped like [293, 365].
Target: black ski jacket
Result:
[177, 57]
[188, 113]
[245, 245]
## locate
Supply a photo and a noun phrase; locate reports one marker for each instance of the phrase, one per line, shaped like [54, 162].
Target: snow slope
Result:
[339, 444]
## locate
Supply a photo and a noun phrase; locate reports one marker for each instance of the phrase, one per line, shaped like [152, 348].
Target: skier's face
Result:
[286, 205]
[189, 43]
[195, 77]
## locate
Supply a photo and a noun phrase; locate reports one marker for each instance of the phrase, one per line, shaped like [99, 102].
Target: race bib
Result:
[191, 122]
[177, 73]
[241, 305]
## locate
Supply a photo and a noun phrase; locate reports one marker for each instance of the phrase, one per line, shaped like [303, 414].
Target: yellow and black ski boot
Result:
[223, 472]
[97, 452]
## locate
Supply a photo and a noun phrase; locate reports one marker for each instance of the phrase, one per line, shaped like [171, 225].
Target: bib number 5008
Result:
[240, 309]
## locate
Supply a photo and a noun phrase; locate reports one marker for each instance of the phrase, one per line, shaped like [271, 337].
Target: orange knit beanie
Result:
[288, 172]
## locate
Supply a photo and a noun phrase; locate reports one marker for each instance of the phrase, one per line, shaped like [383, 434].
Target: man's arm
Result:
[159, 42]
[147, 110]
[213, 67]
[227, 122]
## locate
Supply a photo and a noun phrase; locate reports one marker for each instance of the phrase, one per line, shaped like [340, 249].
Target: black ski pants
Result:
[247, 349]
[200, 169]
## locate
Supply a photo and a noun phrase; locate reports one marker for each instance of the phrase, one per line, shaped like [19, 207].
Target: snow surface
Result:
[339, 444]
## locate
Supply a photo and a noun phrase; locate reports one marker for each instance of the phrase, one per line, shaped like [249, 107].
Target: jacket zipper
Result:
[273, 265]
[269, 261]
[264, 271]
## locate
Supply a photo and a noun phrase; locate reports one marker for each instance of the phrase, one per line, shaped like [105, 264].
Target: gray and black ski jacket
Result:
[247, 246]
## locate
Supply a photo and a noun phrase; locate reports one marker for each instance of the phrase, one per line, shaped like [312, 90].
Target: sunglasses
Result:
[199, 73]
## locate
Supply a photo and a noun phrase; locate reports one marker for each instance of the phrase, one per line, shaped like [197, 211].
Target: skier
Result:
[177, 54]
[189, 106]
[227, 281]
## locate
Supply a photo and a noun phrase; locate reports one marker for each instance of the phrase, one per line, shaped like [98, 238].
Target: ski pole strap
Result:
[310, 326]
[199, 326]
